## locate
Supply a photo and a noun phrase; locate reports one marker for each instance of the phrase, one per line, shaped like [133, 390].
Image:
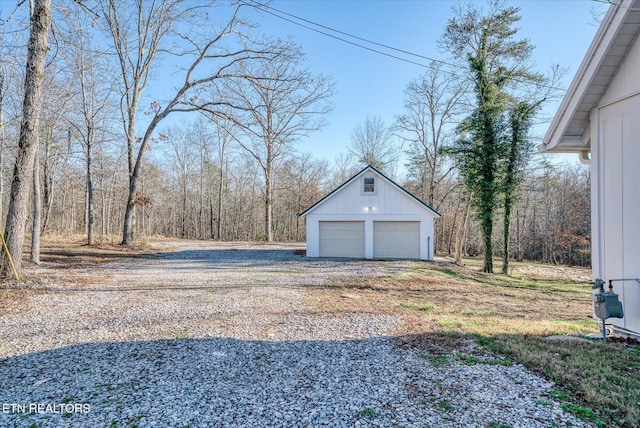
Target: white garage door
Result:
[342, 239]
[396, 239]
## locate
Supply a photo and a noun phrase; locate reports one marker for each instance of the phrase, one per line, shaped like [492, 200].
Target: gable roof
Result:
[569, 130]
[358, 174]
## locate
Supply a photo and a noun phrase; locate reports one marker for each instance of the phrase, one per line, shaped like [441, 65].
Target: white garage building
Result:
[370, 216]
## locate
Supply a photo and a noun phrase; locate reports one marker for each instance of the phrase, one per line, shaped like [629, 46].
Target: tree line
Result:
[85, 148]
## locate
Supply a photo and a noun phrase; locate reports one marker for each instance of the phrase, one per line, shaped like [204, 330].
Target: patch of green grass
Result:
[400, 276]
[445, 405]
[498, 425]
[577, 325]
[477, 313]
[452, 274]
[368, 412]
[516, 279]
[584, 413]
[472, 360]
[458, 323]
[426, 307]
[438, 360]
[258, 284]
[559, 395]
[603, 376]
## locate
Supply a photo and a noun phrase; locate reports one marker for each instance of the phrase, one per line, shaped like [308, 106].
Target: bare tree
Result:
[301, 182]
[28, 140]
[432, 104]
[224, 129]
[88, 69]
[343, 169]
[372, 143]
[282, 102]
[138, 34]
[184, 158]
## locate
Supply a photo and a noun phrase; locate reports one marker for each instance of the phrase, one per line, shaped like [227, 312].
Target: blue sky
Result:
[372, 84]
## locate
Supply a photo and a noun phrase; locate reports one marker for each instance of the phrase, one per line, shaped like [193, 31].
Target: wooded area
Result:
[111, 166]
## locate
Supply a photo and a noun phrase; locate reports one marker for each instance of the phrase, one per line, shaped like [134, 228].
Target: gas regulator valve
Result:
[606, 303]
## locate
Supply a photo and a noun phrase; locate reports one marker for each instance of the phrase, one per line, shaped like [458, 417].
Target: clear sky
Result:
[372, 84]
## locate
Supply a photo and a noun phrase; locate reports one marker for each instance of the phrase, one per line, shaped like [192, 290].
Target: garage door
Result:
[342, 239]
[396, 239]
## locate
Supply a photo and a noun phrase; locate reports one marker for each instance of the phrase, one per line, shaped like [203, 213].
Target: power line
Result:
[270, 10]
[261, 6]
[265, 9]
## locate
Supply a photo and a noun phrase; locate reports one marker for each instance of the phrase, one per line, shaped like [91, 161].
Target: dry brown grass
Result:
[67, 252]
[441, 298]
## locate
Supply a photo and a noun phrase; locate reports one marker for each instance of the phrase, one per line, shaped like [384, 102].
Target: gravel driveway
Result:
[205, 334]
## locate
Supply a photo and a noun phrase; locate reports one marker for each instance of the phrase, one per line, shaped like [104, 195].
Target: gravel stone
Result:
[217, 335]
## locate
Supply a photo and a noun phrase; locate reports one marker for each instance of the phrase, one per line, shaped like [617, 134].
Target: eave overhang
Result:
[569, 130]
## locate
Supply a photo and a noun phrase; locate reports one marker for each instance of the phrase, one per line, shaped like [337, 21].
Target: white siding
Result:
[351, 204]
[616, 203]
[389, 200]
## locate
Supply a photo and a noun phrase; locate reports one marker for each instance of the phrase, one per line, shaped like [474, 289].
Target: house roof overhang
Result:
[569, 131]
[358, 174]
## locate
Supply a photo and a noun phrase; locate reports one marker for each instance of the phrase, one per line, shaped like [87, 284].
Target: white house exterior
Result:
[370, 216]
[599, 119]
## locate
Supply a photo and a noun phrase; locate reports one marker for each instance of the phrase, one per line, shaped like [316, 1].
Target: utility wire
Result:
[261, 6]
[270, 10]
[265, 9]
[616, 3]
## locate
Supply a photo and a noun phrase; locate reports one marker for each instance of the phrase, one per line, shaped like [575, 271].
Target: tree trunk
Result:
[487, 232]
[183, 227]
[461, 233]
[127, 232]
[47, 188]
[268, 207]
[220, 192]
[2, 135]
[268, 194]
[28, 140]
[90, 213]
[508, 203]
[37, 214]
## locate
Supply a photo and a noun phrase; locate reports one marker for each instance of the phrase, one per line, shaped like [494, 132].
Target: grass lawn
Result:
[511, 316]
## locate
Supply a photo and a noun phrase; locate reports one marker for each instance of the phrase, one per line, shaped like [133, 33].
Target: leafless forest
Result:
[223, 156]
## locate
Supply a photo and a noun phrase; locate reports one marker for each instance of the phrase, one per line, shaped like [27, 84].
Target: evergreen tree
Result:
[497, 61]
